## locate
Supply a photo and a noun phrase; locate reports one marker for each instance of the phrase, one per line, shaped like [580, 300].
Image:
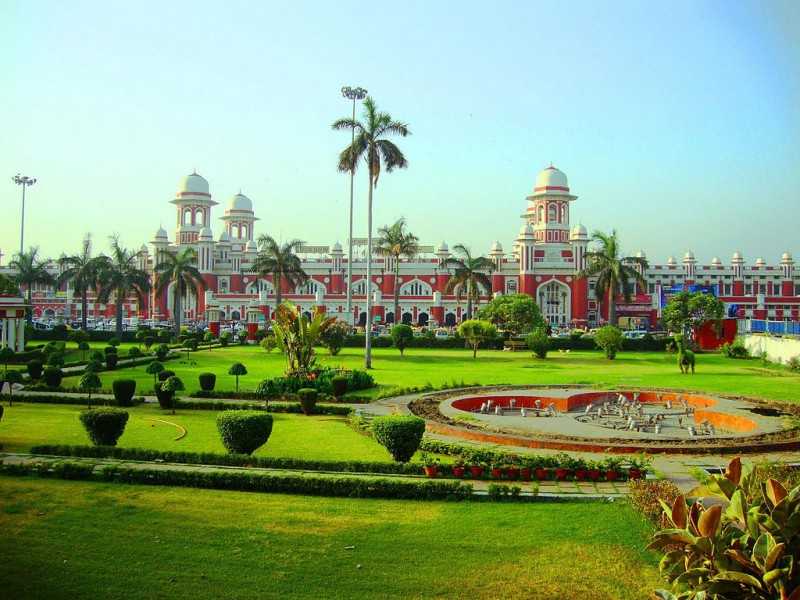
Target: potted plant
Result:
[458, 468]
[639, 467]
[612, 468]
[562, 472]
[581, 472]
[476, 470]
[430, 465]
[593, 471]
[512, 470]
[496, 471]
[525, 470]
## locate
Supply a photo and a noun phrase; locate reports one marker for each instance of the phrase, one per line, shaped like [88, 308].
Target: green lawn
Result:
[298, 436]
[65, 539]
[715, 373]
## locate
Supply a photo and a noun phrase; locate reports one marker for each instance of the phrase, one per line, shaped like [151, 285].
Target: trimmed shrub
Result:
[124, 389]
[165, 391]
[339, 385]
[165, 397]
[114, 342]
[334, 336]
[244, 431]
[207, 381]
[55, 359]
[735, 350]
[93, 366]
[104, 425]
[609, 340]
[308, 400]
[97, 355]
[399, 434]
[35, 368]
[53, 376]
[402, 335]
[161, 352]
[111, 361]
[538, 342]
[165, 374]
[110, 350]
[134, 352]
[644, 496]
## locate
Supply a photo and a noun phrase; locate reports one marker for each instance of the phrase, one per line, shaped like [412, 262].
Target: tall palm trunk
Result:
[118, 312]
[396, 288]
[277, 280]
[469, 299]
[368, 336]
[612, 307]
[84, 308]
[178, 308]
[29, 308]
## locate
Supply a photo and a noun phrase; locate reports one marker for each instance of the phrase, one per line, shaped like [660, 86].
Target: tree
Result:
[191, 346]
[469, 276]
[82, 271]
[12, 377]
[89, 382]
[154, 368]
[84, 348]
[476, 332]
[609, 340]
[402, 336]
[119, 275]
[538, 342]
[178, 269]
[687, 311]
[615, 275]
[8, 287]
[296, 336]
[281, 262]
[237, 369]
[30, 271]
[515, 313]
[370, 145]
[170, 386]
[396, 242]
[6, 354]
[333, 338]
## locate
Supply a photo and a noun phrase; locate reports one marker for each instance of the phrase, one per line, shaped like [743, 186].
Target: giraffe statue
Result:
[686, 357]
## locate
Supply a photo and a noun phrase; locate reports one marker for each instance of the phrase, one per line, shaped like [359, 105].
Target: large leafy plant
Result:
[296, 335]
[744, 550]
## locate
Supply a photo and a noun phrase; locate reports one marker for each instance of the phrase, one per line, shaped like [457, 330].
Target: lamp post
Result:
[352, 94]
[24, 181]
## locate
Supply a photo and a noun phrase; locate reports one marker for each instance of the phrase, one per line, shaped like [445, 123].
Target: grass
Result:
[62, 539]
[317, 438]
[715, 373]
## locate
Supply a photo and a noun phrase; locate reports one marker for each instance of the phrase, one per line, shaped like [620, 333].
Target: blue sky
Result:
[677, 123]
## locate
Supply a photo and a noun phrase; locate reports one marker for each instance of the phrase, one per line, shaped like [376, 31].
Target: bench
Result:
[514, 345]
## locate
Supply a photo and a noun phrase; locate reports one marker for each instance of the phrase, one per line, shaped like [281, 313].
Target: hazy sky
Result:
[677, 123]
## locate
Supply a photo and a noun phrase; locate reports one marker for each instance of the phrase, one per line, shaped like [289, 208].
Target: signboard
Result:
[313, 249]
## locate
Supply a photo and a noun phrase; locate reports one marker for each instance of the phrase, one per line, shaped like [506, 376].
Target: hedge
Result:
[276, 407]
[57, 399]
[244, 431]
[309, 485]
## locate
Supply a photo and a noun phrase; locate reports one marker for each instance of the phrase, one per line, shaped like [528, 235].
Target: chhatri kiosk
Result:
[12, 323]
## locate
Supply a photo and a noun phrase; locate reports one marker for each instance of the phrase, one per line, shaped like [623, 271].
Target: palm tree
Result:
[81, 269]
[280, 261]
[30, 270]
[396, 242]
[470, 275]
[615, 275]
[371, 146]
[120, 275]
[179, 268]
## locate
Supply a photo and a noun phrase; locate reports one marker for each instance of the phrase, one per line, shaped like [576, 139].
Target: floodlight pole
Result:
[351, 94]
[24, 181]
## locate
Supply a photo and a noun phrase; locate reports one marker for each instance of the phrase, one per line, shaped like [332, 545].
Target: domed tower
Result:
[548, 207]
[239, 219]
[193, 202]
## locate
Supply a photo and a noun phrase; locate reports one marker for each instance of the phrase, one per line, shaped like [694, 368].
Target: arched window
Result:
[262, 285]
[540, 216]
[450, 319]
[422, 319]
[563, 218]
[511, 286]
[416, 287]
[310, 287]
[407, 318]
[187, 216]
[236, 316]
[551, 213]
[390, 317]
[360, 287]
[198, 218]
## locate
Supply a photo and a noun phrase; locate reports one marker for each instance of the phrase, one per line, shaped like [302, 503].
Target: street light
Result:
[352, 94]
[24, 181]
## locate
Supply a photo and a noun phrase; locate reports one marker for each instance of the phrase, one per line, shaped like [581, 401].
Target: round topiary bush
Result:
[538, 342]
[165, 374]
[207, 381]
[111, 361]
[339, 385]
[165, 397]
[243, 431]
[104, 425]
[308, 400]
[109, 350]
[35, 368]
[52, 376]
[134, 352]
[399, 434]
[124, 389]
[161, 352]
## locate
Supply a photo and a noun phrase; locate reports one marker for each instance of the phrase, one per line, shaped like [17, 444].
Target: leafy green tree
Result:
[371, 145]
[8, 286]
[6, 356]
[687, 311]
[120, 276]
[402, 336]
[89, 382]
[154, 368]
[616, 275]
[84, 348]
[470, 276]
[476, 332]
[269, 343]
[609, 340]
[280, 261]
[333, 337]
[30, 271]
[237, 369]
[170, 386]
[179, 269]
[82, 270]
[12, 377]
[395, 242]
[515, 313]
[539, 342]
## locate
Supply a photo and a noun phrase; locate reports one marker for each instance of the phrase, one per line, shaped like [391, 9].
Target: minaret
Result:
[548, 207]
[498, 281]
[787, 270]
[160, 245]
[579, 238]
[239, 219]
[689, 263]
[737, 262]
[193, 203]
[525, 243]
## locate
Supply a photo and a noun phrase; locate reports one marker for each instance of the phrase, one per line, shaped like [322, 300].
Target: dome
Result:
[689, 255]
[240, 202]
[760, 262]
[193, 184]
[496, 247]
[671, 260]
[443, 247]
[787, 257]
[526, 230]
[224, 237]
[716, 261]
[206, 234]
[737, 256]
[337, 247]
[161, 234]
[551, 181]
[252, 246]
[641, 254]
[579, 231]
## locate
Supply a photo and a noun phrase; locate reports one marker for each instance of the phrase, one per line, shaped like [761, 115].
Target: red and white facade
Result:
[542, 261]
